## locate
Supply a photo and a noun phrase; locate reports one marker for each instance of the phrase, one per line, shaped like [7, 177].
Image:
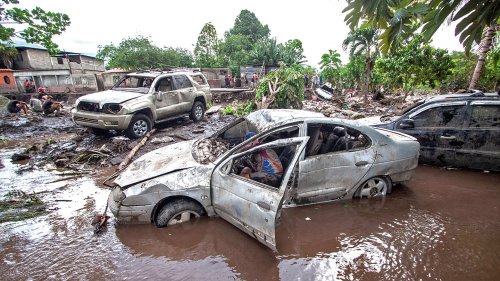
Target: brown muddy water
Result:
[443, 225]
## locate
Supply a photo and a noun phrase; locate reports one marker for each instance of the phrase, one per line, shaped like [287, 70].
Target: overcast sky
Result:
[318, 24]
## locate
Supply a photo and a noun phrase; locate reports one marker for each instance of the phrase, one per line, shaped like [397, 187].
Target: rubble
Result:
[158, 140]
[353, 107]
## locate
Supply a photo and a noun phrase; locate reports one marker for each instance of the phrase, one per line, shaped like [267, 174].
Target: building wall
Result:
[22, 60]
[40, 59]
[7, 81]
[84, 82]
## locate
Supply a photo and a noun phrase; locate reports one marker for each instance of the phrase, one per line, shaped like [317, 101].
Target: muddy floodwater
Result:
[443, 225]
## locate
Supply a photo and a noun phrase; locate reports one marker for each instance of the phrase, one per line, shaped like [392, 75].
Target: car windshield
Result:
[138, 84]
[210, 148]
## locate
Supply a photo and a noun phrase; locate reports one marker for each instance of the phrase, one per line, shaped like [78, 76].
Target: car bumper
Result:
[101, 121]
[128, 214]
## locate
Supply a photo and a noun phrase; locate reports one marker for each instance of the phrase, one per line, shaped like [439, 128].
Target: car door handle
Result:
[361, 163]
[264, 205]
[447, 137]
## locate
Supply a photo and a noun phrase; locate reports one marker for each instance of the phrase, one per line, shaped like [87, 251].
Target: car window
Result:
[135, 84]
[484, 116]
[282, 133]
[235, 134]
[329, 138]
[181, 82]
[442, 116]
[266, 166]
[164, 85]
[199, 79]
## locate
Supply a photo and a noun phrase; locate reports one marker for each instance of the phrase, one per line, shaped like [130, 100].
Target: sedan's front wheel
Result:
[178, 211]
[376, 187]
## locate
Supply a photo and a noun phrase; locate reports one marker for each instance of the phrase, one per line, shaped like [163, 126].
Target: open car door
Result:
[253, 204]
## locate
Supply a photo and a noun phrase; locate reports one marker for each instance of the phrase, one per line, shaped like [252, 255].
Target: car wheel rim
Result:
[374, 187]
[182, 217]
[198, 112]
[140, 127]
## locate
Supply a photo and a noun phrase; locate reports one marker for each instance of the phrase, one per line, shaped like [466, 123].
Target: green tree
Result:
[282, 88]
[266, 51]
[293, 52]
[476, 20]
[363, 42]
[352, 73]
[139, 53]
[415, 64]
[40, 25]
[248, 24]
[234, 51]
[330, 65]
[206, 46]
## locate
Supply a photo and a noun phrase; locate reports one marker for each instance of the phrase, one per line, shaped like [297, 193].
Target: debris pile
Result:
[347, 107]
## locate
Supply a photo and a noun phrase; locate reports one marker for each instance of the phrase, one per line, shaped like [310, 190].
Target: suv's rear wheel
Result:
[139, 126]
[197, 111]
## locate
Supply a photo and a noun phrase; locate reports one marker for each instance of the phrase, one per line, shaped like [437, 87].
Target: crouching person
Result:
[50, 106]
[16, 106]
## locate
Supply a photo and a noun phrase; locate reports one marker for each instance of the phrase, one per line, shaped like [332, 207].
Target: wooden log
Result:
[131, 154]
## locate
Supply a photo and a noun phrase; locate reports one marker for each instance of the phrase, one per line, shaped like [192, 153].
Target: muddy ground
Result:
[443, 225]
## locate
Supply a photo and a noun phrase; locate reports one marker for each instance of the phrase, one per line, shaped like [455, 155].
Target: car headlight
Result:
[111, 108]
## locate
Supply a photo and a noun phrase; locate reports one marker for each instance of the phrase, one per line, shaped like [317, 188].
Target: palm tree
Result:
[363, 42]
[397, 20]
[266, 51]
[330, 64]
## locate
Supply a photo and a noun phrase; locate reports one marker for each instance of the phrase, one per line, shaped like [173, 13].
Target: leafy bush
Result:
[242, 109]
[282, 88]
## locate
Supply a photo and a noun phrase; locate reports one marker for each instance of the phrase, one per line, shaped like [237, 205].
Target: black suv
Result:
[459, 130]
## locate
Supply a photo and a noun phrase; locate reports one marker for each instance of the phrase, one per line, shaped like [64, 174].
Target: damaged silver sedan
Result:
[251, 169]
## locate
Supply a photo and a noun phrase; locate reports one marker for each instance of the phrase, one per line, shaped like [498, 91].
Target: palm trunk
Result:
[485, 47]
[369, 67]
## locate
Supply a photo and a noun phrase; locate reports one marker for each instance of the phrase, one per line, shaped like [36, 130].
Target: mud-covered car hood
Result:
[110, 96]
[158, 162]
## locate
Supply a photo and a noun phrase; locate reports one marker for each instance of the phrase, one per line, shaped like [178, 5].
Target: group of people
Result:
[251, 79]
[29, 86]
[44, 103]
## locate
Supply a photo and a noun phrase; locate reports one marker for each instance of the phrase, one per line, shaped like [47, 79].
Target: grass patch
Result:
[21, 206]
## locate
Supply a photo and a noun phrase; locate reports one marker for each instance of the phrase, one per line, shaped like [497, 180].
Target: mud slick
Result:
[439, 226]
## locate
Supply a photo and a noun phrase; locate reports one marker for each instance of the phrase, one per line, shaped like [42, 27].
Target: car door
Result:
[481, 148]
[186, 91]
[330, 173]
[166, 98]
[438, 128]
[252, 206]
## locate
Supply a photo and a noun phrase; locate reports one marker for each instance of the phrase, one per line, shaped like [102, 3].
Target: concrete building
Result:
[64, 72]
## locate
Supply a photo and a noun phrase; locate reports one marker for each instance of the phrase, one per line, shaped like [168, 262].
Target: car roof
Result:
[266, 118]
[155, 73]
[474, 95]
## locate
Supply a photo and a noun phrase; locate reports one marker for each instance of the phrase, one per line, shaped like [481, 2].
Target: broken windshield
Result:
[209, 149]
[134, 84]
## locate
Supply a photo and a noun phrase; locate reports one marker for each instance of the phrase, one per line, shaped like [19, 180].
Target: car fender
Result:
[199, 194]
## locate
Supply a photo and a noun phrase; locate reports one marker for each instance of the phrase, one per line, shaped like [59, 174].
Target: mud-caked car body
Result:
[141, 99]
[459, 130]
[323, 160]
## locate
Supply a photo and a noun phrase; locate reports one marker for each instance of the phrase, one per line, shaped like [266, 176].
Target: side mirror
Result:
[407, 124]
